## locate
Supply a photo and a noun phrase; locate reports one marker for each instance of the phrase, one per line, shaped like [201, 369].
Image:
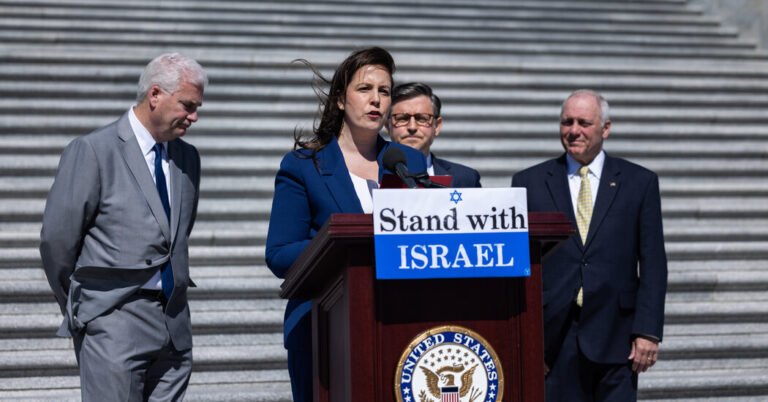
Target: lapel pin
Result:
[613, 184]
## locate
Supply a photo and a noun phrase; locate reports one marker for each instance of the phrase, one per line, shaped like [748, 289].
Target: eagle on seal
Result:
[445, 377]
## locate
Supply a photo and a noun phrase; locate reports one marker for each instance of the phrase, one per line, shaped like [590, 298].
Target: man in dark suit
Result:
[416, 122]
[114, 240]
[604, 287]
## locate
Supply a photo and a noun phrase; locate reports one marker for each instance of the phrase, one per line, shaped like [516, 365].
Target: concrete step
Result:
[210, 187]
[736, 283]
[202, 255]
[212, 57]
[253, 233]
[658, 6]
[721, 385]
[717, 233]
[729, 289]
[729, 398]
[211, 233]
[717, 250]
[326, 60]
[674, 187]
[247, 256]
[487, 129]
[213, 187]
[735, 312]
[663, 166]
[720, 207]
[79, 32]
[724, 255]
[184, 43]
[224, 209]
[275, 145]
[494, 79]
[29, 284]
[715, 346]
[460, 114]
[204, 386]
[40, 29]
[55, 357]
[717, 328]
[670, 186]
[45, 165]
[273, 69]
[707, 265]
[252, 315]
[452, 96]
[270, 149]
[239, 11]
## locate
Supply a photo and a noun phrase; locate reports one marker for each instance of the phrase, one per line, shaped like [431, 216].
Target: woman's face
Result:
[367, 99]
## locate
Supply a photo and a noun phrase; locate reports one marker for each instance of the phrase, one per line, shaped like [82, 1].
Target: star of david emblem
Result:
[456, 197]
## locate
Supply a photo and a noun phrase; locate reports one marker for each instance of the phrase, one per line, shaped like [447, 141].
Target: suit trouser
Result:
[299, 347]
[575, 378]
[127, 355]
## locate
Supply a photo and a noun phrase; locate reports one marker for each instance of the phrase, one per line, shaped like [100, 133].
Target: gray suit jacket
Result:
[105, 232]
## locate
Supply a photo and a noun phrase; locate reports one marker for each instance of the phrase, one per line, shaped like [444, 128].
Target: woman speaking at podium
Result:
[333, 171]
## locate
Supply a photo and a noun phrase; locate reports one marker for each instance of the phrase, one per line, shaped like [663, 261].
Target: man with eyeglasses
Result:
[416, 122]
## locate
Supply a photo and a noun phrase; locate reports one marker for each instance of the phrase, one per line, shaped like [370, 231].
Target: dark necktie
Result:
[166, 273]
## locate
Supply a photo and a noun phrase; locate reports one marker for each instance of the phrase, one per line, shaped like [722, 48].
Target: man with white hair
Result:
[114, 241]
[604, 287]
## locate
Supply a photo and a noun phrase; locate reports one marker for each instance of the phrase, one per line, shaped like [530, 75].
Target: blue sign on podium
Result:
[451, 233]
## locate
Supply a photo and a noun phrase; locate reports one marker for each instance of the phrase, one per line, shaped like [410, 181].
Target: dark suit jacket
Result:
[625, 234]
[307, 192]
[105, 232]
[463, 176]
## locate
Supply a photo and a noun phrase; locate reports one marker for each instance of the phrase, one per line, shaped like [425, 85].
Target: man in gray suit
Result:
[114, 240]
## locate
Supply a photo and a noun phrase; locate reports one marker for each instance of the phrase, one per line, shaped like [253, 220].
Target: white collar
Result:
[595, 167]
[145, 139]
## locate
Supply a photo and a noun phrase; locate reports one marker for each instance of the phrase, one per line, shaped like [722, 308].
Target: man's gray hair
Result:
[605, 110]
[167, 71]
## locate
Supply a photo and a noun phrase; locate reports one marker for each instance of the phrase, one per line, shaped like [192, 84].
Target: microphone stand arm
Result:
[423, 179]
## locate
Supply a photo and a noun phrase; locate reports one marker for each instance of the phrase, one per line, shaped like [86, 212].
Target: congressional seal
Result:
[449, 364]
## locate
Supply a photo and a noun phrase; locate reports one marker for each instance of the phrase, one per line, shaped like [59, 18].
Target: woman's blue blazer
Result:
[307, 192]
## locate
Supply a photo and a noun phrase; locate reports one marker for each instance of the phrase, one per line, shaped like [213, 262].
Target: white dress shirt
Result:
[574, 180]
[363, 189]
[430, 166]
[146, 143]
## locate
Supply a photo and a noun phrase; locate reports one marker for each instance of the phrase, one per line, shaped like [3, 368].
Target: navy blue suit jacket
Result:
[307, 192]
[463, 176]
[622, 267]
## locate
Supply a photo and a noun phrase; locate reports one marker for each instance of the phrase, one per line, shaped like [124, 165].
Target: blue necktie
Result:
[166, 273]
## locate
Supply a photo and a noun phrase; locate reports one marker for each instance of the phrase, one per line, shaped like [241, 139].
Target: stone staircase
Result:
[688, 100]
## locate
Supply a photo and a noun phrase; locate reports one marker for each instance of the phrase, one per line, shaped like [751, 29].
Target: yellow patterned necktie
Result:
[583, 215]
[584, 204]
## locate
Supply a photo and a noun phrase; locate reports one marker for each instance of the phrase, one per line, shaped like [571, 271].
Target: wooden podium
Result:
[361, 326]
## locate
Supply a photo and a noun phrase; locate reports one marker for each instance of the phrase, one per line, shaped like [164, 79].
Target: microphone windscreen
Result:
[392, 157]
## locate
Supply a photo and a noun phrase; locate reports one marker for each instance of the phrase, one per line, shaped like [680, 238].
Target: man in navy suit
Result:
[604, 287]
[416, 122]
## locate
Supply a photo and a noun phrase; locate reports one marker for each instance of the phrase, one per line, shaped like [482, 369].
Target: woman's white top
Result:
[364, 189]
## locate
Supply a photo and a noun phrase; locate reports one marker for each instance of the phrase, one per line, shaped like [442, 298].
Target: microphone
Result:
[394, 161]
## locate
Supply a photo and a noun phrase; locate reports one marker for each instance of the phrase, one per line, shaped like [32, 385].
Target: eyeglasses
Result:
[403, 119]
